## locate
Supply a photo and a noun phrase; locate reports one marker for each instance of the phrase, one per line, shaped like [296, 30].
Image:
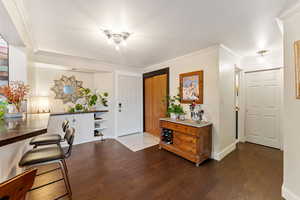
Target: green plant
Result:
[174, 105]
[71, 110]
[93, 98]
[3, 108]
[78, 107]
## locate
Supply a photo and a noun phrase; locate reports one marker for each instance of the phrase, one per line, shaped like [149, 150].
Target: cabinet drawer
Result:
[179, 128]
[185, 143]
[186, 138]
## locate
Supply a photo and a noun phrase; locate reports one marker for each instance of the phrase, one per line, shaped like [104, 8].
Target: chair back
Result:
[17, 187]
[69, 138]
[65, 125]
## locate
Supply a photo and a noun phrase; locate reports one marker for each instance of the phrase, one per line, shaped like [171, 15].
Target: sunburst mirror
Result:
[67, 89]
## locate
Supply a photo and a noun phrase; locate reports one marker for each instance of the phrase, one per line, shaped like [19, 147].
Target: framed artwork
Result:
[4, 68]
[297, 67]
[191, 87]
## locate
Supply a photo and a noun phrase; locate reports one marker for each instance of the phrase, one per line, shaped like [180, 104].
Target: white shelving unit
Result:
[99, 124]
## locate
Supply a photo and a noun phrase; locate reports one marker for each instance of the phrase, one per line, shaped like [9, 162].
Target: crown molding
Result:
[17, 13]
[59, 59]
[286, 14]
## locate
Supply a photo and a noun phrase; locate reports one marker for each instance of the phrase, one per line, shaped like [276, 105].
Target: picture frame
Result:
[297, 68]
[4, 63]
[191, 87]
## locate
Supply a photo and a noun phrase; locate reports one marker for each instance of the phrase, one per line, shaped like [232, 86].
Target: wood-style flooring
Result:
[109, 171]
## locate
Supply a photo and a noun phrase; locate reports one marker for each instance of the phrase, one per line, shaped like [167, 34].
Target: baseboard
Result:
[227, 150]
[287, 194]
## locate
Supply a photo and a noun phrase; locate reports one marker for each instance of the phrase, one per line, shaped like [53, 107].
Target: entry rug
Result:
[138, 141]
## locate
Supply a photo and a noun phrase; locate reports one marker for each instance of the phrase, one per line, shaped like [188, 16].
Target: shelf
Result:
[100, 128]
[100, 120]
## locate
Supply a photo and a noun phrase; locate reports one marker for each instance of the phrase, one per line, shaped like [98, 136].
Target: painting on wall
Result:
[191, 87]
[4, 69]
[297, 66]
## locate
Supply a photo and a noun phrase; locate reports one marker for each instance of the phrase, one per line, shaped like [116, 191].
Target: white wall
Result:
[227, 62]
[274, 59]
[17, 64]
[42, 79]
[215, 70]
[291, 179]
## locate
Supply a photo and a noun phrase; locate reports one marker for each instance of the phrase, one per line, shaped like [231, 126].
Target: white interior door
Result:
[263, 101]
[129, 104]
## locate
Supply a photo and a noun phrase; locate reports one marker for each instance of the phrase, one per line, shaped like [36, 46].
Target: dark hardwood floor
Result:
[109, 171]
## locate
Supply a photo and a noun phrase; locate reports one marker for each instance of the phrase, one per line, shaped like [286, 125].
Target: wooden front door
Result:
[155, 102]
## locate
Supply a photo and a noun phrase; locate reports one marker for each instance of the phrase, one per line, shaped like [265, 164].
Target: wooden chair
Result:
[17, 187]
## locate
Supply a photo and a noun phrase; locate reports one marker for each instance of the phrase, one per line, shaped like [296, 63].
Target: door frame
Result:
[243, 106]
[149, 75]
[116, 95]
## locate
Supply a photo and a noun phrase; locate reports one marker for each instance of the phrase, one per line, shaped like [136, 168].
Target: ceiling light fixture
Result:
[116, 38]
[262, 52]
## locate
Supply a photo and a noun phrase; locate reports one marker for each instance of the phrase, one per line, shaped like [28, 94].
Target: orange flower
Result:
[15, 93]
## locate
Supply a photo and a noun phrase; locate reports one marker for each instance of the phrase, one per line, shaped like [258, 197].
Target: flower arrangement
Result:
[15, 93]
[174, 108]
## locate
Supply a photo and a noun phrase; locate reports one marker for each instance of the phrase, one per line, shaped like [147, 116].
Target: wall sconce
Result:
[39, 104]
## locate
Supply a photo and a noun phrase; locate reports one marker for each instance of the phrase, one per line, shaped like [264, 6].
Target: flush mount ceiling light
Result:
[262, 52]
[116, 38]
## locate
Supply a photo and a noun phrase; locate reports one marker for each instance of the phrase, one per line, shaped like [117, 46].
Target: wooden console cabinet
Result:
[191, 140]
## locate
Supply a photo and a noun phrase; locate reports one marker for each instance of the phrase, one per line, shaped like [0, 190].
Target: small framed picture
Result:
[297, 67]
[191, 87]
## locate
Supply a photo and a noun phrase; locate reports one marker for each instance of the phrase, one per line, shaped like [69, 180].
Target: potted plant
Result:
[15, 94]
[175, 109]
[89, 100]
[94, 98]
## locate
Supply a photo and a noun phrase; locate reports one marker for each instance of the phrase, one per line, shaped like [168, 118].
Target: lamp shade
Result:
[39, 104]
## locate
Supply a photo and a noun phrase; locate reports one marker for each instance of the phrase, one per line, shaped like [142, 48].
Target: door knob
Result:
[120, 107]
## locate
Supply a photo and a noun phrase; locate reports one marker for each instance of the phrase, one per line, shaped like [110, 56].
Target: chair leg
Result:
[65, 166]
[65, 175]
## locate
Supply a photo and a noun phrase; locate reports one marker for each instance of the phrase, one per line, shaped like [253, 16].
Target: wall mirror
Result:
[67, 89]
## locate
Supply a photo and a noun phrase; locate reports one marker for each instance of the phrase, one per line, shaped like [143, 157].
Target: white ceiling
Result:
[162, 29]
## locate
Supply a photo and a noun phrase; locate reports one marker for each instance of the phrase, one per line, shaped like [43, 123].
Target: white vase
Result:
[12, 112]
[173, 116]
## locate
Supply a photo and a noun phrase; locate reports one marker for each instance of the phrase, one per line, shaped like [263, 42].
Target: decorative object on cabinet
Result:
[188, 139]
[4, 63]
[297, 66]
[175, 109]
[197, 114]
[67, 89]
[15, 94]
[89, 100]
[93, 98]
[191, 87]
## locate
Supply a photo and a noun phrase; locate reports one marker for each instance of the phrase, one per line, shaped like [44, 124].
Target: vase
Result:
[173, 116]
[12, 112]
